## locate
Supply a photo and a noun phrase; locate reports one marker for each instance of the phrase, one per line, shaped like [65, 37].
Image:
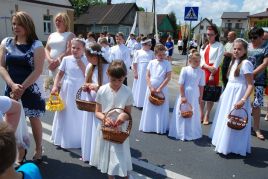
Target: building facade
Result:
[42, 12]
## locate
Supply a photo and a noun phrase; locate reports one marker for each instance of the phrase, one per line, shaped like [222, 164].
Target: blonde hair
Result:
[159, 48]
[25, 20]
[65, 18]
[194, 52]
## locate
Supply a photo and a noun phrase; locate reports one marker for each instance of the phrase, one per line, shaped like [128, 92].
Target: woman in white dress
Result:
[155, 118]
[112, 158]
[140, 61]
[94, 80]
[67, 124]
[191, 86]
[58, 46]
[236, 95]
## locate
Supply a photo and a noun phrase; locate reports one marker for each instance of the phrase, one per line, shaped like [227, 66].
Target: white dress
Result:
[225, 139]
[141, 58]
[109, 157]
[67, 124]
[155, 118]
[90, 122]
[58, 44]
[182, 128]
[120, 52]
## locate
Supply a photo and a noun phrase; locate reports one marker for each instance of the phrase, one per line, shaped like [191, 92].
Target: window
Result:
[228, 25]
[201, 27]
[104, 28]
[238, 25]
[47, 24]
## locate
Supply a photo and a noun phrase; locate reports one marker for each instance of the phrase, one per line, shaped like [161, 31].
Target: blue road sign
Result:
[191, 14]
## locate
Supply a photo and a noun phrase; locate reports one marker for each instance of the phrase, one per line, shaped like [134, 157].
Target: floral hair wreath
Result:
[241, 39]
[95, 52]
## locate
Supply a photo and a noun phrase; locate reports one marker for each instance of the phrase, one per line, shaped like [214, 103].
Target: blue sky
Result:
[211, 9]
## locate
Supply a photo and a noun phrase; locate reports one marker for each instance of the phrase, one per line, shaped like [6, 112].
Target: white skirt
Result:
[155, 118]
[225, 139]
[190, 128]
[111, 158]
[139, 85]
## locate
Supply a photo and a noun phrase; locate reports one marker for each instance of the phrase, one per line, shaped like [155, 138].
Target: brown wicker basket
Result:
[187, 114]
[156, 99]
[113, 135]
[84, 105]
[237, 122]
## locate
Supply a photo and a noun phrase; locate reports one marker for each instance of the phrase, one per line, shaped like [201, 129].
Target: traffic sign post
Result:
[190, 14]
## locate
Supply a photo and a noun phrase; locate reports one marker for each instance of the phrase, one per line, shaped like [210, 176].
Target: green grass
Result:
[176, 69]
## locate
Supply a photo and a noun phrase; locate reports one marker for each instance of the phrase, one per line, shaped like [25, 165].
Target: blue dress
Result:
[169, 45]
[20, 64]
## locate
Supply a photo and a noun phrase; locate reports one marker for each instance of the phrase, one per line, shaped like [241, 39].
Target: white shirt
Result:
[120, 52]
[215, 54]
[5, 105]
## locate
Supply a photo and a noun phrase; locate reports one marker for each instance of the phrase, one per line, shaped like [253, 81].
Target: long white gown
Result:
[90, 122]
[155, 118]
[225, 139]
[109, 157]
[67, 124]
[141, 58]
[190, 128]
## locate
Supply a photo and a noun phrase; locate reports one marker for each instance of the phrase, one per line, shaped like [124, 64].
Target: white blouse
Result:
[215, 54]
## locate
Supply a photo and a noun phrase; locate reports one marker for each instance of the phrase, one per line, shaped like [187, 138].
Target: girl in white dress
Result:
[112, 158]
[155, 118]
[95, 77]
[191, 86]
[236, 95]
[67, 124]
[140, 61]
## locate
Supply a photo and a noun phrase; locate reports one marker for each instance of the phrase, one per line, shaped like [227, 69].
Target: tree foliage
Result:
[81, 6]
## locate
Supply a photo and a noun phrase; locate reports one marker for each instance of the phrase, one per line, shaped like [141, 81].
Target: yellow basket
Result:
[54, 103]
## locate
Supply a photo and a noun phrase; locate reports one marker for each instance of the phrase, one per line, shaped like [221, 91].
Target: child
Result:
[105, 48]
[67, 124]
[8, 154]
[236, 95]
[112, 158]
[191, 85]
[155, 118]
[140, 61]
[95, 77]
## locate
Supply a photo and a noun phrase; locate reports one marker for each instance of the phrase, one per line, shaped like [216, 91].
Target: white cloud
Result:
[254, 6]
[207, 8]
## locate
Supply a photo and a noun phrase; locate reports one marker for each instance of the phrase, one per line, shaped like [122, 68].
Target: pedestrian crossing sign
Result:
[191, 14]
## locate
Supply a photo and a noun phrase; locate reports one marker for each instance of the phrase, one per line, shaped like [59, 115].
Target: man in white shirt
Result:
[110, 39]
[228, 53]
[120, 52]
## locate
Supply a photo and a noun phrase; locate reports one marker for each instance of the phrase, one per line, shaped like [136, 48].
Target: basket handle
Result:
[159, 93]
[129, 115]
[188, 104]
[238, 109]
[78, 94]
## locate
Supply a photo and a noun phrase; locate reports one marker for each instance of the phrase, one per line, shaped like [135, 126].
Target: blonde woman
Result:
[58, 44]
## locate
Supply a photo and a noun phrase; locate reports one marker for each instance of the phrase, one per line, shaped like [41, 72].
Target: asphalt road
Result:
[158, 156]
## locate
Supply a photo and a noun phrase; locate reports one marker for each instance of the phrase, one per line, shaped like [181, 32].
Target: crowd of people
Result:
[99, 69]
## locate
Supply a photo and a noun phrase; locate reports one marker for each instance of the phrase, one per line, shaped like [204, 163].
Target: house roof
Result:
[205, 19]
[68, 4]
[160, 18]
[262, 14]
[106, 14]
[235, 15]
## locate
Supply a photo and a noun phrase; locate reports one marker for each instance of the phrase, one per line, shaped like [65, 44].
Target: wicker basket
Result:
[188, 113]
[84, 105]
[54, 103]
[237, 122]
[157, 98]
[114, 135]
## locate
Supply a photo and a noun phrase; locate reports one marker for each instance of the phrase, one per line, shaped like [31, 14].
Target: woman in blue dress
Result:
[170, 46]
[22, 58]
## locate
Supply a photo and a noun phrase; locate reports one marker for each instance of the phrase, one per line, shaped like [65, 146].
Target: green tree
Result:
[81, 6]
[173, 21]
